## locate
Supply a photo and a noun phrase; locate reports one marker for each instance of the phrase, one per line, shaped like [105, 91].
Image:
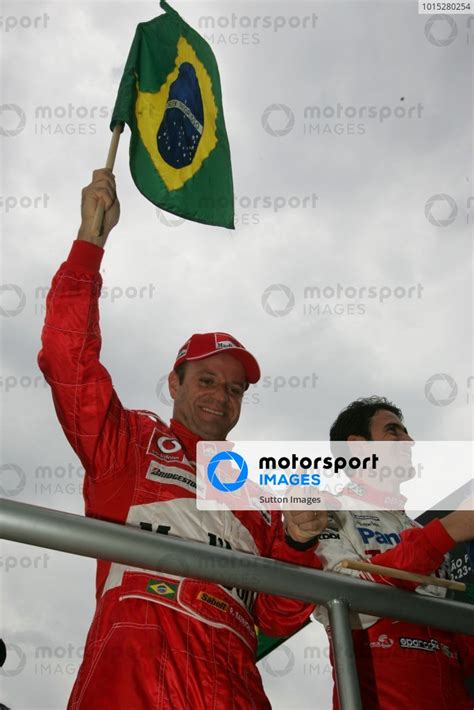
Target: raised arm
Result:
[85, 401]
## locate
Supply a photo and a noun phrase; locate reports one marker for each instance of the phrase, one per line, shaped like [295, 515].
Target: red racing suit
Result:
[156, 640]
[401, 666]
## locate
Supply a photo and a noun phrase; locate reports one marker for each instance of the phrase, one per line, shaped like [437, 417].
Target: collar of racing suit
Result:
[187, 438]
[374, 496]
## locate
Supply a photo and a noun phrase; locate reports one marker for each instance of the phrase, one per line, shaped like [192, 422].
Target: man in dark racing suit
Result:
[401, 665]
[158, 640]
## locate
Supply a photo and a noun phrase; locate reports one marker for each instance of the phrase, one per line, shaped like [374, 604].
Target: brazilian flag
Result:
[170, 96]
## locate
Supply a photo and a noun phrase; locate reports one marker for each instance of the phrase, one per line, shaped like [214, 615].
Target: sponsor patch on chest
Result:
[172, 475]
[383, 641]
[419, 644]
[165, 447]
[213, 601]
[388, 538]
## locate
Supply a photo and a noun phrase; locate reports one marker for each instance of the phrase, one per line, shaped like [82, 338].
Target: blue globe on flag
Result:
[183, 121]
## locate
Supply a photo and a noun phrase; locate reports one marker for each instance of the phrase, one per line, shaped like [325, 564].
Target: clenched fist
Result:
[302, 526]
[101, 190]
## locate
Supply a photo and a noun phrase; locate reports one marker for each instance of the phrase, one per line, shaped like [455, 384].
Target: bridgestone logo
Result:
[420, 644]
[156, 472]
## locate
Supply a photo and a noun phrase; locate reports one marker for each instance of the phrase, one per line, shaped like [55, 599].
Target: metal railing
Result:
[89, 537]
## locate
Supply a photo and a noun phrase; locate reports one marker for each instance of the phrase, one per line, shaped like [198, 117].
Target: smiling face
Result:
[209, 398]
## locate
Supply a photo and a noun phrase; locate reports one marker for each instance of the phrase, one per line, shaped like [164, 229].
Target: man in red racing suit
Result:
[158, 640]
[401, 665]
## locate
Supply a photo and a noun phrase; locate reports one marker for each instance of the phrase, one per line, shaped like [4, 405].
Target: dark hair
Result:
[180, 370]
[355, 419]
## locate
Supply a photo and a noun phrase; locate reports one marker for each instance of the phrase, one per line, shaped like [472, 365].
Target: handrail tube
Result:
[345, 667]
[90, 537]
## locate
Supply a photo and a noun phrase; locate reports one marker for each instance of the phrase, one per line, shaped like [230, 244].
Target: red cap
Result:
[201, 345]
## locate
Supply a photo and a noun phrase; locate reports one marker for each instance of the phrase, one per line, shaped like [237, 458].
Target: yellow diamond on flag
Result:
[151, 107]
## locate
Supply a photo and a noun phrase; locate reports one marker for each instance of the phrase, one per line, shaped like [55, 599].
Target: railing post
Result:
[344, 659]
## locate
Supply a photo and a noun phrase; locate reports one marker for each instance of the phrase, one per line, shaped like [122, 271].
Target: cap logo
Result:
[222, 344]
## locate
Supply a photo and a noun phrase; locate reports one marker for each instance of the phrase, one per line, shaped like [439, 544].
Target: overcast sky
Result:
[354, 202]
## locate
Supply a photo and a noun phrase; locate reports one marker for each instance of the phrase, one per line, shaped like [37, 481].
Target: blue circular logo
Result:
[227, 456]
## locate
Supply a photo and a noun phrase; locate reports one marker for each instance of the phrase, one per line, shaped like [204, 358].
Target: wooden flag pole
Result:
[402, 574]
[109, 163]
